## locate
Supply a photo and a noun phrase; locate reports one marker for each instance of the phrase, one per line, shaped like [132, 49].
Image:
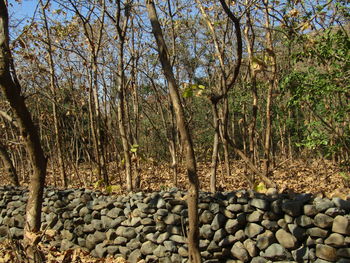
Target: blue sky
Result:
[24, 9]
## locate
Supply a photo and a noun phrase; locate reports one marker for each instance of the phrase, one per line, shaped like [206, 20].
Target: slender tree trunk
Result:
[214, 156]
[9, 167]
[250, 40]
[192, 198]
[224, 130]
[12, 90]
[122, 118]
[101, 159]
[54, 103]
[271, 88]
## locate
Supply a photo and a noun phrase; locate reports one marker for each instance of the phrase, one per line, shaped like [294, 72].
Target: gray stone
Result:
[206, 217]
[252, 230]
[67, 235]
[178, 239]
[149, 229]
[97, 224]
[286, 239]
[128, 233]
[341, 225]
[256, 216]
[170, 246]
[265, 239]
[214, 208]
[227, 241]
[133, 244]
[175, 230]
[206, 232]
[148, 247]
[304, 221]
[326, 252]
[235, 207]
[120, 241]
[317, 232]
[323, 204]
[218, 221]
[176, 258]
[335, 240]
[276, 206]
[292, 208]
[219, 235]
[239, 252]
[172, 219]
[276, 252]
[124, 251]
[112, 250]
[310, 210]
[259, 203]
[334, 211]
[203, 244]
[297, 231]
[240, 235]
[101, 250]
[66, 244]
[301, 254]
[258, 260]
[343, 253]
[135, 256]
[147, 222]
[161, 251]
[111, 234]
[3, 231]
[323, 221]
[183, 252]
[16, 233]
[250, 247]
[162, 237]
[342, 204]
[232, 225]
[213, 247]
[270, 225]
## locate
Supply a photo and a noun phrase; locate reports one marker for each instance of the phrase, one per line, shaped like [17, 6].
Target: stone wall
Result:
[240, 226]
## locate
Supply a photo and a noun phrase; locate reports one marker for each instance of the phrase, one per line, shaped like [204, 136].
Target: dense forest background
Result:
[270, 87]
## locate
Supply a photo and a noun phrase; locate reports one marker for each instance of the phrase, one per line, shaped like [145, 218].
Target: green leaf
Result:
[113, 188]
[188, 93]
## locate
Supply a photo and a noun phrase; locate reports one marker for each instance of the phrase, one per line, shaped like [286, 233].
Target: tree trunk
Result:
[12, 90]
[9, 168]
[57, 131]
[214, 156]
[122, 118]
[271, 88]
[192, 198]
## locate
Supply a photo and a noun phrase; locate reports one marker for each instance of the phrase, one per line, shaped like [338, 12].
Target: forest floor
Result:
[319, 177]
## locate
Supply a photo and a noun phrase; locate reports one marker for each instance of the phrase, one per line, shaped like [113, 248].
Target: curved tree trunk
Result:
[192, 199]
[12, 90]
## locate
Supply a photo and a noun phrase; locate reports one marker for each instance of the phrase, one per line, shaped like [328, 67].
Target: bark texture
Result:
[192, 198]
[11, 89]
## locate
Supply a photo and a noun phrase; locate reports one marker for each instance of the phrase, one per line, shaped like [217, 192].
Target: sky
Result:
[22, 9]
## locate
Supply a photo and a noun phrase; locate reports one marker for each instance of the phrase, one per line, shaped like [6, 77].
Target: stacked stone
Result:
[240, 226]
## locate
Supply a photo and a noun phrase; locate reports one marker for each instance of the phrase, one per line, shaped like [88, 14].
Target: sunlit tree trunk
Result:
[11, 89]
[193, 191]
